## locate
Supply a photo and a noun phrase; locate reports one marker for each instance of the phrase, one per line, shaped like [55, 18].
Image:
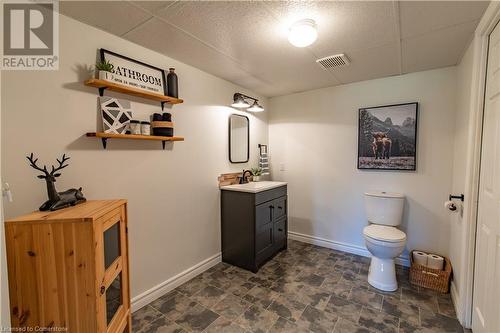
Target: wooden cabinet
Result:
[69, 269]
[254, 226]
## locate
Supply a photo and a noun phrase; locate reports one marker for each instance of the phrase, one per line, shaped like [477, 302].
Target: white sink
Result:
[253, 187]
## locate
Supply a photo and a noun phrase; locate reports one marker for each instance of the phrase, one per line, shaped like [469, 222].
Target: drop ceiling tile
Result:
[419, 17]
[237, 28]
[153, 6]
[124, 16]
[342, 25]
[370, 64]
[437, 49]
[166, 39]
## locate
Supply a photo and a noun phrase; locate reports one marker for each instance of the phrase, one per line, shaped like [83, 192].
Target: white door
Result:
[486, 309]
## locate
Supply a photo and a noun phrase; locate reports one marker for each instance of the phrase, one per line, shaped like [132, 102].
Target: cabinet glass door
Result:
[114, 300]
[111, 244]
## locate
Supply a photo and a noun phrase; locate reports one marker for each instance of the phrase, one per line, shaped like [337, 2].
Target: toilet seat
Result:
[384, 233]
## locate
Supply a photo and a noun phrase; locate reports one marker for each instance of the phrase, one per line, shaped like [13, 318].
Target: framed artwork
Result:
[387, 137]
[135, 74]
[116, 114]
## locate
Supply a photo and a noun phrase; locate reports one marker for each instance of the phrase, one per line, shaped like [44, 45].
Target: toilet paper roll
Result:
[420, 258]
[435, 262]
[450, 205]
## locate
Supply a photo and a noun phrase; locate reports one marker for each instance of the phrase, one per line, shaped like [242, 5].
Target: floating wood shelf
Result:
[103, 84]
[105, 136]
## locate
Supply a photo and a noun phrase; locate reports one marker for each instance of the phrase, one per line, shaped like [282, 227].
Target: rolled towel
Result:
[420, 258]
[435, 262]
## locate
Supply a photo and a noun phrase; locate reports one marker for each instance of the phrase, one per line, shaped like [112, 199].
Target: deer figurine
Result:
[57, 200]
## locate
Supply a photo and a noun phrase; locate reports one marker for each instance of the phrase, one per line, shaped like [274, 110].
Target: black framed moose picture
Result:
[387, 137]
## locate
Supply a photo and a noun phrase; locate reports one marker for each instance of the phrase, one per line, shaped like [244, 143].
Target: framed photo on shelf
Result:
[387, 137]
[135, 74]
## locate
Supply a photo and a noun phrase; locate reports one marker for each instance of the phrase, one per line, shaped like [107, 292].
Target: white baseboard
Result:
[349, 248]
[161, 289]
[455, 297]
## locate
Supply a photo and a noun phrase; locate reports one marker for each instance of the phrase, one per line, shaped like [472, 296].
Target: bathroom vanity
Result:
[254, 223]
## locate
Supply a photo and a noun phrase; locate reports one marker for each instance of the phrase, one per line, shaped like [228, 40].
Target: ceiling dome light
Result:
[255, 107]
[239, 101]
[303, 33]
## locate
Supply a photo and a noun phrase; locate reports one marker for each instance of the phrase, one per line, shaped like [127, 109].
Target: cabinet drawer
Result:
[270, 194]
[279, 208]
[280, 233]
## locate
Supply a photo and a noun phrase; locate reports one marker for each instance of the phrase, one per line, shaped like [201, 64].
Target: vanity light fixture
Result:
[240, 101]
[303, 33]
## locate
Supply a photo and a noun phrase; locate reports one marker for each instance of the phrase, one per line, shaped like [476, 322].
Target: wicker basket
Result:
[434, 279]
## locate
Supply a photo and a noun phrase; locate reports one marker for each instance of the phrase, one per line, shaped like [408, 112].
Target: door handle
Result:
[279, 207]
[280, 229]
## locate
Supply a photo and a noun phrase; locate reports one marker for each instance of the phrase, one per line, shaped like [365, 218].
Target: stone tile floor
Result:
[306, 288]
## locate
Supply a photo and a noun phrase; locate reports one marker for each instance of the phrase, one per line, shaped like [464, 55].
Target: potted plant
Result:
[257, 172]
[105, 70]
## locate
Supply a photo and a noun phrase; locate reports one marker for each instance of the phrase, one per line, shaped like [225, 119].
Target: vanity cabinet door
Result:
[264, 240]
[263, 216]
[264, 230]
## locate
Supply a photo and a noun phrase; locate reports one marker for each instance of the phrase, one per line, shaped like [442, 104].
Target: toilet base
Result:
[382, 274]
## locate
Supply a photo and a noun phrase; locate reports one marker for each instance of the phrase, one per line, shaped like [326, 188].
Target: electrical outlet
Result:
[282, 166]
[6, 192]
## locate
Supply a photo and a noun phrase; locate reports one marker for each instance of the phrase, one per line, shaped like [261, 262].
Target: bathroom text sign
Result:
[135, 74]
[387, 137]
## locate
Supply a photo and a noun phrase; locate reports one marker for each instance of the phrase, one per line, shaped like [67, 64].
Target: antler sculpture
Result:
[57, 200]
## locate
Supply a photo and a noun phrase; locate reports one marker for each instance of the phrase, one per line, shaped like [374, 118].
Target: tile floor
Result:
[303, 289]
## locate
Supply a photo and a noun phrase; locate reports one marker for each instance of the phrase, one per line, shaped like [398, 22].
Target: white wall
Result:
[315, 135]
[173, 194]
[460, 158]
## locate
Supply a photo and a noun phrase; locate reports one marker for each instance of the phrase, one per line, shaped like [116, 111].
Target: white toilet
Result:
[384, 241]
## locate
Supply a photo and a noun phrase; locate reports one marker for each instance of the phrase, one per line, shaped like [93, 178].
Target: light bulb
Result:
[239, 102]
[255, 107]
[303, 33]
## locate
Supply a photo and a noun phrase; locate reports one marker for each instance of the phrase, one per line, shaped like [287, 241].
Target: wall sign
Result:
[387, 137]
[136, 74]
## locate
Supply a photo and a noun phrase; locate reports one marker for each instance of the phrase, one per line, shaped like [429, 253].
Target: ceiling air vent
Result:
[337, 60]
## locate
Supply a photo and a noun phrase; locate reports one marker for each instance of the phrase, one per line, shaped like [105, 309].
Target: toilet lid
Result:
[384, 233]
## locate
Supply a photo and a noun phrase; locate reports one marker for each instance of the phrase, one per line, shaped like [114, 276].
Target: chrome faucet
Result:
[243, 179]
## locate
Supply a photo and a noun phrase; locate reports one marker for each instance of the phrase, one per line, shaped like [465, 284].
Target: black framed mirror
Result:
[239, 138]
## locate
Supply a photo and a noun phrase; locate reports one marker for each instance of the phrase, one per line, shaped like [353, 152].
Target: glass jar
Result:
[135, 127]
[145, 128]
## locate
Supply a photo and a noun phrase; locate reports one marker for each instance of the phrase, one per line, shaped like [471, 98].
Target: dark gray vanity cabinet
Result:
[254, 226]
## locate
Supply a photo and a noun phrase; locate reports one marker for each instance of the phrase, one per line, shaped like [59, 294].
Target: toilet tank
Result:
[385, 208]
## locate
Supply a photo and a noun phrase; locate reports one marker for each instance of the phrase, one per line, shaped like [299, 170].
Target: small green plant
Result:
[104, 66]
[257, 171]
